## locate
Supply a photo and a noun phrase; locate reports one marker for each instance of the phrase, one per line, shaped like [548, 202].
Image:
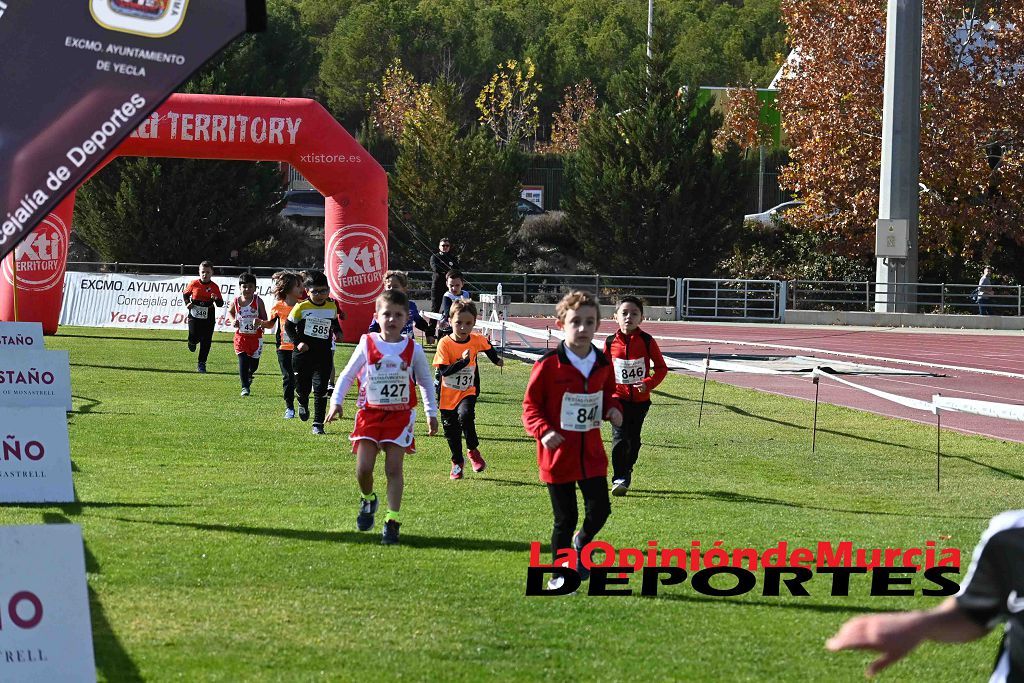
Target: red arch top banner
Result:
[298, 131]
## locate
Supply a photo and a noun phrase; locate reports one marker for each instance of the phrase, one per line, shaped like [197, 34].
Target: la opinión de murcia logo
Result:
[150, 18]
[719, 572]
[357, 260]
[40, 256]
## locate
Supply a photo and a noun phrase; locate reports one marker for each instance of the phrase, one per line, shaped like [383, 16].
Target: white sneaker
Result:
[620, 487]
[289, 414]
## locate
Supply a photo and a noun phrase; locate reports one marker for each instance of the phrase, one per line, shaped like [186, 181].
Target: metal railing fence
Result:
[918, 297]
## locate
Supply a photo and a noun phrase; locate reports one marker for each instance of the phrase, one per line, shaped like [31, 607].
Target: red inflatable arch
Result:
[298, 131]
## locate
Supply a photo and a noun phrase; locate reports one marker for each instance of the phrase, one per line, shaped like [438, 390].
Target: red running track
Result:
[969, 356]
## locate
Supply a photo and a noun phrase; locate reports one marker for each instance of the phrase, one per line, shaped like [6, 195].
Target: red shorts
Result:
[249, 344]
[385, 426]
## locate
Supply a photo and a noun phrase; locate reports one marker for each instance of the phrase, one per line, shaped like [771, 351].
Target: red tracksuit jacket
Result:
[581, 455]
[633, 347]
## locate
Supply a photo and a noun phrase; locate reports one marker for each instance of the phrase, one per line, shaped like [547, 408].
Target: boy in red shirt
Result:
[634, 354]
[200, 297]
[571, 389]
[248, 316]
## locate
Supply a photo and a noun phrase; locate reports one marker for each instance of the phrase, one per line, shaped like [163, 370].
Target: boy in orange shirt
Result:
[456, 363]
[200, 297]
[287, 291]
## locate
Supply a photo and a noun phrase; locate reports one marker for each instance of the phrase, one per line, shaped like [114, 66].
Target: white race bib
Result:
[247, 325]
[581, 412]
[318, 328]
[630, 371]
[461, 380]
[388, 388]
[199, 312]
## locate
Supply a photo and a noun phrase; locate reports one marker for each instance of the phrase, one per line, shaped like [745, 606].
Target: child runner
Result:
[312, 325]
[248, 316]
[633, 353]
[456, 363]
[387, 365]
[455, 283]
[200, 297]
[571, 389]
[287, 289]
[397, 279]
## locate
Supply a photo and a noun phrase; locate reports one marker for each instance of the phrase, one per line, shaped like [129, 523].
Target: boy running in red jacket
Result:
[634, 354]
[571, 390]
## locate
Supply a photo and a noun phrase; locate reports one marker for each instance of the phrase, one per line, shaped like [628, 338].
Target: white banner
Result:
[21, 336]
[1006, 411]
[45, 631]
[35, 456]
[35, 378]
[141, 301]
[914, 403]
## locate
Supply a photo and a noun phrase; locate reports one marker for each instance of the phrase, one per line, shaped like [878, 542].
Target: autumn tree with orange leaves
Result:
[972, 126]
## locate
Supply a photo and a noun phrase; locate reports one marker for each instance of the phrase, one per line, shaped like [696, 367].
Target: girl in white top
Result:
[387, 366]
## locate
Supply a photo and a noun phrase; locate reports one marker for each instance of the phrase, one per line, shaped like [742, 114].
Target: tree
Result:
[647, 195]
[972, 126]
[393, 100]
[742, 124]
[508, 103]
[462, 187]
[159, 210]
[579, 102]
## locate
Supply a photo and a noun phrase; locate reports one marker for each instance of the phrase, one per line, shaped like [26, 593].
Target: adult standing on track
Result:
[440, 264]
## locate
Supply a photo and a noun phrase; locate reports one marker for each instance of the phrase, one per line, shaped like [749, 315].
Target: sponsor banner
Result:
[21, 336]
[107, 65]
[35, 456]
[35, 378]
[357, 258]
[45, 631]
[152, 302]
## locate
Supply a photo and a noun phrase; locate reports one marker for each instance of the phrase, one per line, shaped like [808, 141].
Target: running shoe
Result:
[192, 346]
[390, 534]
[620, 487]
[456, 471]
[201, 368]
[318, 429]
[245, 391]
[478, 461]
[367, 510]
[289, 413]
[303, 412]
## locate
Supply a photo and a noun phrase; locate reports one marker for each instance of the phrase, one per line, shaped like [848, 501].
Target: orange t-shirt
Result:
[463, 383]
[280, 313]
[197, 290]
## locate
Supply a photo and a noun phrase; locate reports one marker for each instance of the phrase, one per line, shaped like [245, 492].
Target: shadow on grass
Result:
[733, 497]
[111, 657]
[354, 537]
[783, 423]
[511, 482]
[87, 405]
[810, 607]
[1012, 475]
[158, 370]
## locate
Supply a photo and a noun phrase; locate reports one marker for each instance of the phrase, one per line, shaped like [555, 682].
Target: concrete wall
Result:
[947, 321]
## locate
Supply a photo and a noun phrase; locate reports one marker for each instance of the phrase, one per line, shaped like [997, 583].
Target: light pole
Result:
[650, 25]
[898, 201]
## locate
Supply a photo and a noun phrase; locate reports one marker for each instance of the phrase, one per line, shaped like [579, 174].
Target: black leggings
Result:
[247, 366]
[461, 420]
[201, 332]
[563, 504]
[312, 374]
[284, 359]
[626, 439]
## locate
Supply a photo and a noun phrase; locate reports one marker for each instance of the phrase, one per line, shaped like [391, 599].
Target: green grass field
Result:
[221, 541]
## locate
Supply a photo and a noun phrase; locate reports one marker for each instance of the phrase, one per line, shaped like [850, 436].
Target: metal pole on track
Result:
[814, 428]
[707, 367]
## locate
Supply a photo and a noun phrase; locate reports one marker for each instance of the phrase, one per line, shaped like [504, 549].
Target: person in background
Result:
[984, 292]
[440, 264]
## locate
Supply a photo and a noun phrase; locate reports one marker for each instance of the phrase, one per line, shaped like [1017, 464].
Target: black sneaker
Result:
[577, 545]
[303, 412]
[367, 510]
[318, 428]
[192, 346]
[201, 368]
[390, 534]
